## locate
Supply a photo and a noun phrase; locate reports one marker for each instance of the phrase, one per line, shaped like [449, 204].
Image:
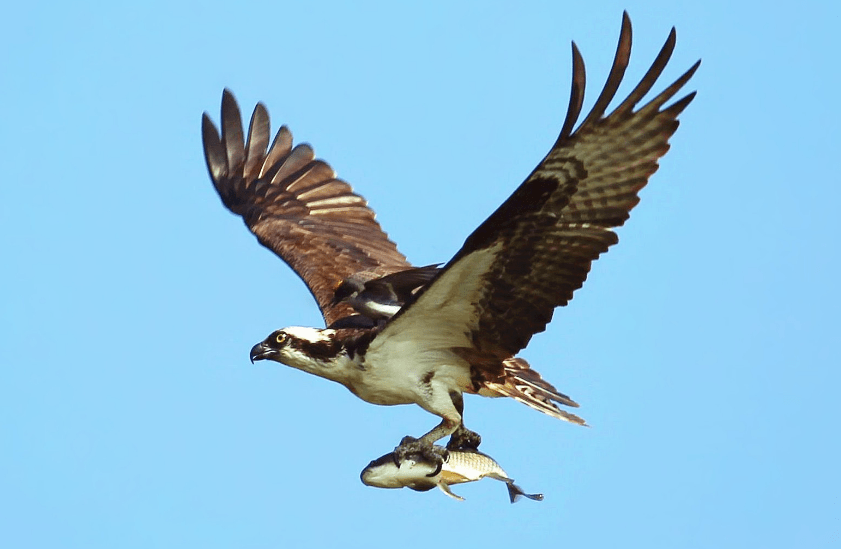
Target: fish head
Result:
[384, 472]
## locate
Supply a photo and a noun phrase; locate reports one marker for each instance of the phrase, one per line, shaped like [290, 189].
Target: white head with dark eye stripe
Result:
[309, 349]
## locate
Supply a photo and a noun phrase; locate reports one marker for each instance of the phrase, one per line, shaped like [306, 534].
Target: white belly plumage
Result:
[412, 377]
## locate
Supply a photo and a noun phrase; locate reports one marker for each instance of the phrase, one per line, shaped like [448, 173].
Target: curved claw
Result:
[421, 450]
[437, 470]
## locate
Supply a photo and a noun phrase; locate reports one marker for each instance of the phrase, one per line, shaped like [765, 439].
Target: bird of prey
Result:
[398, 334]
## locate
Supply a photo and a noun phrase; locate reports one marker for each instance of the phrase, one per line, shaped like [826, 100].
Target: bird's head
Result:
[310, 349]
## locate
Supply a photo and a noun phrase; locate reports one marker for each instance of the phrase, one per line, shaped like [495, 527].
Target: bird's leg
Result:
[462, 438]
[424, 447]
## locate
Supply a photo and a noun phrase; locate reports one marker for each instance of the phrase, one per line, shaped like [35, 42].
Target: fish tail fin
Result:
[525, 385]
[515, 492]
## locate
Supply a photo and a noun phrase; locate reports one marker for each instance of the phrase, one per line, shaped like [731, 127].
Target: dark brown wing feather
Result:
[544, 237]
[402, 284]
[295, 205]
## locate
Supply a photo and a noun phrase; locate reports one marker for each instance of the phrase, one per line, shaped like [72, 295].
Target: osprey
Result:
[397, 334]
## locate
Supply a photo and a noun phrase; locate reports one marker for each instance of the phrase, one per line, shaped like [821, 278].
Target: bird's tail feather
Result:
[525, 385]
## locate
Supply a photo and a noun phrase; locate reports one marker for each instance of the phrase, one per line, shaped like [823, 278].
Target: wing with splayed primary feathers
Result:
[536, 249]
[296, 206]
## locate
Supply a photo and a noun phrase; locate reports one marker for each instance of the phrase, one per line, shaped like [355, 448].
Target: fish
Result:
[419, 475]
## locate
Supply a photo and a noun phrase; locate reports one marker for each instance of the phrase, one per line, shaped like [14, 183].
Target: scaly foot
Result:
[419, 450]
[464, 439]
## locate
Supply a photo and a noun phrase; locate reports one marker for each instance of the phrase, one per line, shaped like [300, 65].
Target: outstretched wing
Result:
[295, 205]
[534, 251]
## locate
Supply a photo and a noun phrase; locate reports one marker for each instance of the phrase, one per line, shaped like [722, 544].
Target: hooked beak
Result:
[261, 351]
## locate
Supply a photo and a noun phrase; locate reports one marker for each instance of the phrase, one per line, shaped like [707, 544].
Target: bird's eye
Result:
[280, 338]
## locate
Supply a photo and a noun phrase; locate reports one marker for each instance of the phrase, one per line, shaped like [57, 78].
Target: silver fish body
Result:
[417, 474]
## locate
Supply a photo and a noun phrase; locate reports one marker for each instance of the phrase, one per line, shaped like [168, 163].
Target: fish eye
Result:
[281, 338]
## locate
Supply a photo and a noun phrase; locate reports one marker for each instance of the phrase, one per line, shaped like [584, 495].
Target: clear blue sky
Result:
[703, 348]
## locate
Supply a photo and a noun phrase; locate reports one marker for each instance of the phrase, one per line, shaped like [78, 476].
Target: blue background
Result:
[703, 348]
